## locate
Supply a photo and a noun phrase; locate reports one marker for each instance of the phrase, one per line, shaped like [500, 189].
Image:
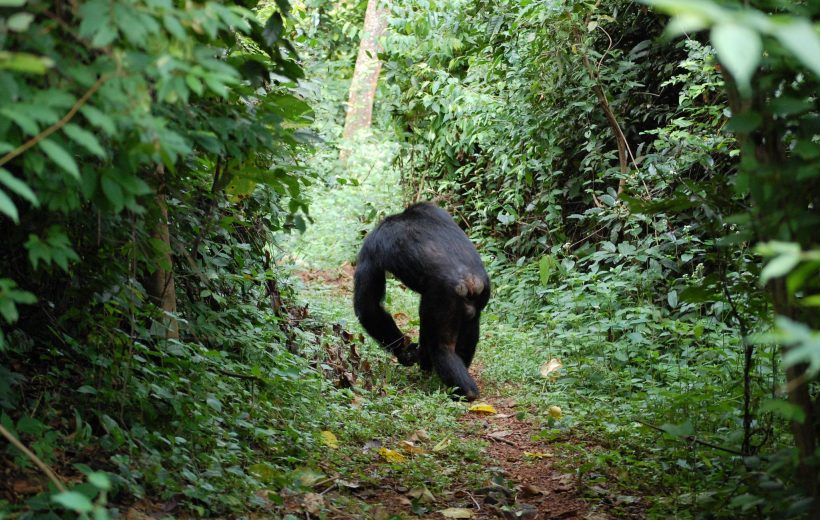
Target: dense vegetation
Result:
[646, 198]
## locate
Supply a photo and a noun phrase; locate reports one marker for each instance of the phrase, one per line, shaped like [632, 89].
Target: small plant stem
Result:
[34, 458]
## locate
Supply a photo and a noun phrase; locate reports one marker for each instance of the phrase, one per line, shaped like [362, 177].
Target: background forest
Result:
[642, 180]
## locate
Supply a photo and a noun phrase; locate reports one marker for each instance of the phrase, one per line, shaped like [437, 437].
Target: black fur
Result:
[431, 255]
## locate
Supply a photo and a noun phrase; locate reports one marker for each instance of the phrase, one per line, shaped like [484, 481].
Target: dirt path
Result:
[526, 484]
[521, 478]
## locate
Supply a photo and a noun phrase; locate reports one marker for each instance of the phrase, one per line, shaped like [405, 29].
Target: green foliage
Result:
[117, 117]
[618, 181]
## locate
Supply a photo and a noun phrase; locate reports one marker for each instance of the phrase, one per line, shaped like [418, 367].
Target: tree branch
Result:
[56, 126]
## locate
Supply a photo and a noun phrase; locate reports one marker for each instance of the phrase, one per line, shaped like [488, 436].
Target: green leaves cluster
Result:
[116, 118]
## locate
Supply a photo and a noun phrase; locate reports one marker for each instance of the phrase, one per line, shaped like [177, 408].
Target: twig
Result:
[39, 463]
[748, 363]
[692, 438]
[477, 505]
[505, 441]
[624, 150]
[56, 126]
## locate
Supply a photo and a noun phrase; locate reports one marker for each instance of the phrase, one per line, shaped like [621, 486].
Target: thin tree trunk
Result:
[160, 284]
[365, 75]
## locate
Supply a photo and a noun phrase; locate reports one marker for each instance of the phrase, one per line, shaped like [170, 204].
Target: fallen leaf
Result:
[346, 484]
[528, 490]
[307, 477]
[313, 503]
[411, 448]
[551, 367]
[392, 456]
[483, 408]
[422, 494]
[329, 440]
[536, 455]
[457, 512]
[500, 434]
[357, 402]
[26, 487]
[420, 435]
[555, 412]
[443, 443]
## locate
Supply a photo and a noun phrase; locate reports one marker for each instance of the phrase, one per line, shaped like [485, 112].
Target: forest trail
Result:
[516, 462]
[520, 477]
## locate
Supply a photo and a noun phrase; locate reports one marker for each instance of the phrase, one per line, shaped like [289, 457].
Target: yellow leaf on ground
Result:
[483, 408]
[555, 412]
[391, 455]
[457, 512]
[329, 440]
[536, 455]
[551, 367]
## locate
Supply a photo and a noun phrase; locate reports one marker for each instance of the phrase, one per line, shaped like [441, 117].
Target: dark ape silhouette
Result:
[431, 255]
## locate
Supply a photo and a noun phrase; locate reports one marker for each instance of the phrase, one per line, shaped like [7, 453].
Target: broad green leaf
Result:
[26, 123]
[100, 480]
[37, 250]
[783, 408]
[12, 3]
[801, 38]
[194, 84]
[17, 186]
[214, 403]
[685, 23]
[59, 155]
[19, 22]
[672, 299]
[25, 62]
[173, 26]
[99, 119]
[779, 266]
[684, 429]
[74, 501]
[113, 192]
[739, 49]
[85, 139]
[8, 208]
[545, 268]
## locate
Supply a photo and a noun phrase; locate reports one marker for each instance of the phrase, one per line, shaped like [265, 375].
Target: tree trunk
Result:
[365, 75]
[160, 283]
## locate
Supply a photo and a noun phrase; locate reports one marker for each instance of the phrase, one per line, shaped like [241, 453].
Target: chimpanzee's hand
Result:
[408, 354]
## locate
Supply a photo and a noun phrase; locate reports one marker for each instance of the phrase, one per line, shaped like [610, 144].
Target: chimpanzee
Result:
[425, 249]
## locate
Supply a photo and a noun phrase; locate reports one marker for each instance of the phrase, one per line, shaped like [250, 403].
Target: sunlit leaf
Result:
[329, 439]
[739, 49]
[457, 512]
[551, 367]
[537, 455]
[392, 456]
[74, 501]
[483, 408]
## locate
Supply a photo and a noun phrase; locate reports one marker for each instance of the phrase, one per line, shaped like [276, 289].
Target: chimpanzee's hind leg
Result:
[467, 340]
[441, 315]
